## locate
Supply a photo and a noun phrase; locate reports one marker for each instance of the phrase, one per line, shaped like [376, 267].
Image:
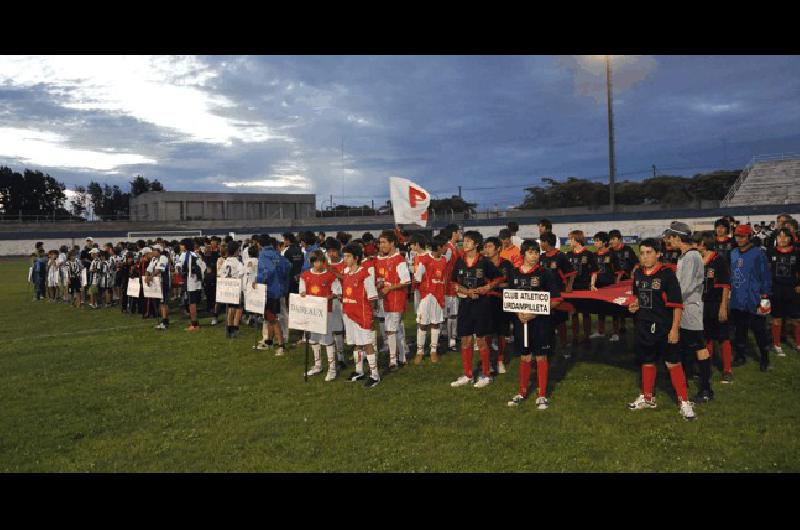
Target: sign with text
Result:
[229, 290]
[308, 313]
[153, 289]
[519, 301]
[255, 299]
[133, 287]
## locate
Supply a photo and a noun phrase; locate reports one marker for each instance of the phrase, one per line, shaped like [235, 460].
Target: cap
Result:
[146, 250]
[89, 239]
[676, 228]
[743, 230]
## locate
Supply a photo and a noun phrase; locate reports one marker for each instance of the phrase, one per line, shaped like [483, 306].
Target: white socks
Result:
[434, 339]
[401, 341]
[372, 360]
[421, 339]
[451, 328]
[392, 339]
[358, 359]
[339, 341]
[331, 352]
[317, 360]
[265, 331]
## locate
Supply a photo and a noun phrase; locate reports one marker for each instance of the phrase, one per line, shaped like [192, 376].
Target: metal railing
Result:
[746, 171]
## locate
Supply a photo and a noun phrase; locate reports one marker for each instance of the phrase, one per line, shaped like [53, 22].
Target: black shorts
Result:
[691, 341]
[474, 317]
[713, 329]
[118, 280]
[501, 321]
[652, 344]
[559, 317]
[75, 285]
[540, 336]
[785, 302]
[194, 297]
[272, 308]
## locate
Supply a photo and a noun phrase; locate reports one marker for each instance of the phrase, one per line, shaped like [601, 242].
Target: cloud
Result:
[589, 72]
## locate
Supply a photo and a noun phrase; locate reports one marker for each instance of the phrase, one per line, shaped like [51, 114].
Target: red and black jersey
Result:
[723, 247]
[584, 264]
[559, 265]
[606, 268]
[625, 258]
[536, 279]
[506, 269]
[658, 293]
[481, 272]
[784, 263]
[670, 258]
[717, 277]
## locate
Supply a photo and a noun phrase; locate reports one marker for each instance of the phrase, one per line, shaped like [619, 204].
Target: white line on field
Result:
[82, 332]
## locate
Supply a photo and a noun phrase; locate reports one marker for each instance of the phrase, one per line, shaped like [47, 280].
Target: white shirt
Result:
[193, 283]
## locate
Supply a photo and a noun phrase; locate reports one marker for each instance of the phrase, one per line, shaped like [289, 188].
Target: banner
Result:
[133, 287]
[83, 278]
[409, 202]
[519, 301]
[309, 313]
[229, 290]
[255, 299]
[620, 294]
[154, 289]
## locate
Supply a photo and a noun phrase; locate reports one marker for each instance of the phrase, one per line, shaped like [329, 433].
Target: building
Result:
[203, 206]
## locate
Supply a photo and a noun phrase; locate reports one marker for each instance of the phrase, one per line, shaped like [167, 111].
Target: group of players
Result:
[687, 287]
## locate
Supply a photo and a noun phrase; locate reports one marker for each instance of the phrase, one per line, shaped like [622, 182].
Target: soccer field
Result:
[96, 390]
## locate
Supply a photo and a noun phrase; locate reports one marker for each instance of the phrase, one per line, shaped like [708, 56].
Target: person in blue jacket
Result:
[273, 270]
[751, 286]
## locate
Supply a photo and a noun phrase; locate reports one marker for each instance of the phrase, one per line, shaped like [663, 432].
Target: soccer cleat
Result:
[614, 338]
[434, 357]
[483, 381]
[355, 376]
[418, 358]
[501, 367]
[314, 371]
[452, 344]
[704, 396]
[779, 351]
[400, 363]
[516, 400]
[642, 403]
[280, 352]
[727, 378]
[263, 346]
[596, 336]
[687, 410]
[235, 334]
[542, 403]
[214, 322]
[160, 326]
[371, 383]
[330, 376]
[461, 381]
[193, 328]
[392, 368]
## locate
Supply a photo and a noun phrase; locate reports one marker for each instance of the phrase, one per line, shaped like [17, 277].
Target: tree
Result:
[30, 193]
[455, 204]
[141, 185]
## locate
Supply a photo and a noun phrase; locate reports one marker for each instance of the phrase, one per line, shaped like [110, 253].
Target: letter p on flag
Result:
[410, 202]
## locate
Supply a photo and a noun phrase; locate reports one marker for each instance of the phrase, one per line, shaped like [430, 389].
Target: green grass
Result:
[78, 398]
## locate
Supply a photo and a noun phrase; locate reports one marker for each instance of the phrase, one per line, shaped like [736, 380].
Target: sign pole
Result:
[305, 373]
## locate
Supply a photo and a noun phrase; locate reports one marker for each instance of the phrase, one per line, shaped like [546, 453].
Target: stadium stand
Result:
[767, 179]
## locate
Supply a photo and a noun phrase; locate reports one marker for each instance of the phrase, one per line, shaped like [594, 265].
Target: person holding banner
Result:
[392, 279]
[231, 267]
[430, 272]
[534, 333]
[159, 268]
[552, 259]
[584, 263]
[321, 282]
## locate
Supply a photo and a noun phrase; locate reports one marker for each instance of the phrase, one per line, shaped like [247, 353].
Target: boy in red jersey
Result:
[333, 251]
[319, 281]
[431, 275]
[392, 279]
[453, 235]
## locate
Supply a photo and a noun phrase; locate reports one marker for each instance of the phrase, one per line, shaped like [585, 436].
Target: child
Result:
[321, 282]
[430, 273]
[124, 274]
[584, 263]
[626, 261]
[53, 275]
[392, 279]
[500, 319]
[93, 277]
[534, 334]
[159, 267]
[63, 274]
[605, 275]
[716, 297]
[333, 249]
[784, 261]
[231, 267]
[74, 278]
[191, 268]
[552, 259]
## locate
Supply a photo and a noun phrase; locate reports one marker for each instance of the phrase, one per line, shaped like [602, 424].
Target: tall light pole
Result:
[612, 166]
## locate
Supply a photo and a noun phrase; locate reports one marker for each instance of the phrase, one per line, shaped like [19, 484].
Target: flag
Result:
[409, 202]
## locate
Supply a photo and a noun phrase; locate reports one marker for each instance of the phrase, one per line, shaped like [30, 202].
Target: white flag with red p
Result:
[410, 202]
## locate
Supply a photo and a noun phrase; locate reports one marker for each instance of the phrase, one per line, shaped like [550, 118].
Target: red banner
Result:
[619, 294]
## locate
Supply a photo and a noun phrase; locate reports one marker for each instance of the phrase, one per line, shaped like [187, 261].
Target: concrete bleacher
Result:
[769, 179]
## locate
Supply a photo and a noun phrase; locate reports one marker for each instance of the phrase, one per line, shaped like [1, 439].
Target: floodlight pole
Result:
[612, 167]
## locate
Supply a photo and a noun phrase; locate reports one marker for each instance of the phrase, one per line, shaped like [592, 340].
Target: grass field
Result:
[96, 390]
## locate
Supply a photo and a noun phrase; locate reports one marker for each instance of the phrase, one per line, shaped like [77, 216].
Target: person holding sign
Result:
[392, 278]
[231, 267]
[534, 334]
[358, 291]
[474, 276]
[159, 268]
[321, 282]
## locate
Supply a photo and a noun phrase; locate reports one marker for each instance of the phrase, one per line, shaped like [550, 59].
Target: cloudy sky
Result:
[490, 124]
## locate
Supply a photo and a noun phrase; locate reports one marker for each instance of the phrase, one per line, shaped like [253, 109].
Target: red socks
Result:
[648, 380]
[710, 348]
[796, 332]
[501, 345]
[541, 372]
[484, 360]
[524, 377]
[776, 333]
[466, 360]
[679, 381]
[726, 357]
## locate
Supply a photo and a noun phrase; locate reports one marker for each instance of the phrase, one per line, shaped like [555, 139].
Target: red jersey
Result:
[357, 289]
[414, 265]
[450, 287]
[338, 267]
[434, 277]
[393, 270]
[318, 284]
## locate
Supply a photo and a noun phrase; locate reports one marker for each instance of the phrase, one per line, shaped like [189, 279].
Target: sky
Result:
[342, 125]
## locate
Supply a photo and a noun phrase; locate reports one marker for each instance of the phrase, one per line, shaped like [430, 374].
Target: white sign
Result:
[229, 290]
[309, 313]
[83, 278]
[255, 299]
[409, 202]
[133, 287]
[153, 290]
[30, 274]
[519, 301]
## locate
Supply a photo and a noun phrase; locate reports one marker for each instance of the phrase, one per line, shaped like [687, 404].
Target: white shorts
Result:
[416, 300]
[451, 306]
[392, 321]
[338, 324]
[325, 340]
[430, 312]
[356, 335]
